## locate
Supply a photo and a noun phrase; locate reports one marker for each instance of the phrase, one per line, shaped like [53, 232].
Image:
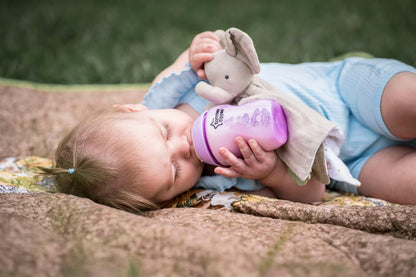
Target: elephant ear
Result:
[238, 44]
[222, 37]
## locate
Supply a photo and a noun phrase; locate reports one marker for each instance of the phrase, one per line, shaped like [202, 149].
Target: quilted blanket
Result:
[201, 233]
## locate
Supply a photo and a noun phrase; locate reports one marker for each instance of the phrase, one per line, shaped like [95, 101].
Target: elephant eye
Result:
[226, 77]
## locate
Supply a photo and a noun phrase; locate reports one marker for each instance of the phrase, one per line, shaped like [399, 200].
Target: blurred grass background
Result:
[126, 41]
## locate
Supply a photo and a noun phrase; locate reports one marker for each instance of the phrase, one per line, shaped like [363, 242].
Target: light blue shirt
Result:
[346, 92]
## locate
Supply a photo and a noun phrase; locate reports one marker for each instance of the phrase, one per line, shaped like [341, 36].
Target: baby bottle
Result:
[262, 120]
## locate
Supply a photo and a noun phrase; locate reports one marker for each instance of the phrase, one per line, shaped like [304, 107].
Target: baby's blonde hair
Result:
[91, 162]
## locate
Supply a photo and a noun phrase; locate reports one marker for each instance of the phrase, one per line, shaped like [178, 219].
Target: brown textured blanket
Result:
[46, 234]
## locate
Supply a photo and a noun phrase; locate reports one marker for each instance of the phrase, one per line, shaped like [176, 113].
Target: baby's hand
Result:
[256, 163]
[201, 50]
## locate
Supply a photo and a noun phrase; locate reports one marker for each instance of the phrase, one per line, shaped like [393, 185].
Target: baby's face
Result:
[171, 165]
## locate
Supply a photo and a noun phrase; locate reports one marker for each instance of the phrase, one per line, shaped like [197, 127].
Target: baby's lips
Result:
[193, 151]
[193, 154]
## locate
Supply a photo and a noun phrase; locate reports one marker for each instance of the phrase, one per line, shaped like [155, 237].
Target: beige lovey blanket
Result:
[53, 234]
[232, 79]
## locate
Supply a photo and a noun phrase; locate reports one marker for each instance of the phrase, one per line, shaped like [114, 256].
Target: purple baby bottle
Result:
[262, 120]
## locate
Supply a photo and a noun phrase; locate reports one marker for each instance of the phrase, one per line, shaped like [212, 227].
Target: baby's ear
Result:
[129, 108]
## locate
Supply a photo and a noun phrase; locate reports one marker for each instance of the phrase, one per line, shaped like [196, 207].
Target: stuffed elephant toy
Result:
[231, 70]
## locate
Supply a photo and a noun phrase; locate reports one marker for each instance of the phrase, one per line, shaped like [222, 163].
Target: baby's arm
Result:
[269, 170]
[200, 51]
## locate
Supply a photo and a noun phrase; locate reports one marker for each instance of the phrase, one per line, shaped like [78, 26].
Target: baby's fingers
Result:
[237, 164]
[257, 150]
[246, 151]
[206, 34]
[266, 160]
[197, 62]
[202, 57]
[227, 172]
[206, 46]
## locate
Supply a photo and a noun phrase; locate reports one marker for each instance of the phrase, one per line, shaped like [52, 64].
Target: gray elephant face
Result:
[228, 73]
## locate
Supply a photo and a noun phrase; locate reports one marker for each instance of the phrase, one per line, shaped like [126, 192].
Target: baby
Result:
[134, 158]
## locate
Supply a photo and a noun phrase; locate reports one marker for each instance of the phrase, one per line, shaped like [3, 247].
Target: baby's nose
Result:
[182, 146]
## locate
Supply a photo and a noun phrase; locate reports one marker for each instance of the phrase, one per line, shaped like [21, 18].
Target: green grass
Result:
[121, 41]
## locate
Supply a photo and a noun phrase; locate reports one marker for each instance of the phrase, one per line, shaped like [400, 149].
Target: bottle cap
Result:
[199, 139]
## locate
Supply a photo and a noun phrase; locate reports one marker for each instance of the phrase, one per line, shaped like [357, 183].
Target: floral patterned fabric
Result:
[209, 199]
[21, 175]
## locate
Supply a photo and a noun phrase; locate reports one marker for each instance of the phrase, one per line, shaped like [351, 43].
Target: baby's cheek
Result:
[194, 174]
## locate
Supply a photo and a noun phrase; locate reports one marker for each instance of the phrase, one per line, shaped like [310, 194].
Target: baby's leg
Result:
[398, 105]
[390, 175]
